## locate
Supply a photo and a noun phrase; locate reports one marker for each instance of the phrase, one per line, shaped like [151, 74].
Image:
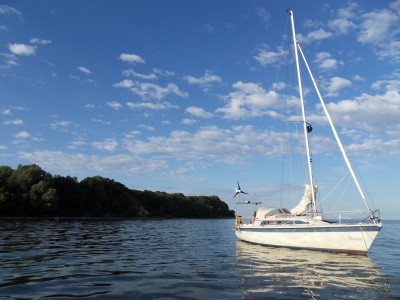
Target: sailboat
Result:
[304, 226]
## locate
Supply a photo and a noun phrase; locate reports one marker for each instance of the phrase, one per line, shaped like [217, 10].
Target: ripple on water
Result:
[180, 259]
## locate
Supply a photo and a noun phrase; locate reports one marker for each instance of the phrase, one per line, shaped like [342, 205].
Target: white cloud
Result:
[74, 77]
[378, 114]
[40, 41]
[126, 83]
[132, 72]
[325, 61]
[265, 57]
[278, 86]
[22, 135]
[109, 145]
[313, 36]
[358, 78]
[198, 112]
[73, 145]
[61, 125]
[264, 16]
[22, 49]
[187, 121]
[377, 26]
[90, 106]
[207, 28]
[10, 59]
[84, 70]
[101, 121]
[150, 90]
[14, 122]
[348, 12]
[204, 81]
[7, 112]
[8, 10]
[336, 84]
[151, 105]
[163, 73]
[146, 127]
[341, 25]
[390, 49]
[114, 105]
[131, 58]
[210, 144]
[249, 100]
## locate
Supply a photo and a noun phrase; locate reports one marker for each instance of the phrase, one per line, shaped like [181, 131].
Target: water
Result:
[181, 259]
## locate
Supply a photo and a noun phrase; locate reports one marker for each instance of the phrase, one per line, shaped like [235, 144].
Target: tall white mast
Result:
[309, 161]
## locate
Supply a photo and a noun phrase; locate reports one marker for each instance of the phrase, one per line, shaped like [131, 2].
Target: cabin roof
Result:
[263, 212]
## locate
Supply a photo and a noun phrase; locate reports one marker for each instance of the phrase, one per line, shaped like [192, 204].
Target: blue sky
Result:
[192, 96]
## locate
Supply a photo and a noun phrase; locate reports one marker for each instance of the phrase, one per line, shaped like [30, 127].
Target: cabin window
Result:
[300, 222]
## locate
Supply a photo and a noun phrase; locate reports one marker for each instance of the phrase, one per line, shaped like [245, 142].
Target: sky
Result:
[193, 96]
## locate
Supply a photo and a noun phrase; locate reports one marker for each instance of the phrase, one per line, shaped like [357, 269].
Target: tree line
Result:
[29, 191]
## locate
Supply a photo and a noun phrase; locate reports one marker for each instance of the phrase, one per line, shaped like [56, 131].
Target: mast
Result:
[346, 159]
[309, 160]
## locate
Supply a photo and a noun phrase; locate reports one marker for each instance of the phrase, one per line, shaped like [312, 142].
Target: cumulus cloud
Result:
[60, 124]
[132, 72]
[198, 112]
[146, 127]
[379, 28]
[14, 122]
[341, 25]
[163, 73]
[22, 49]
[313, 36]
[131, 58]
[249, 100]
[151, 90]
[40, 41]
[114, 105]
[109, 145]
[336, 84]
[325, 61]
[264, 16]
[22, 135]
[126, 83]
[204, 81]
[378, 114]
[151, 105]
[188, 121]
[210, 143]
[84, 70]
[377, 25]
[90, 106]
[266, 57]
[8, 10]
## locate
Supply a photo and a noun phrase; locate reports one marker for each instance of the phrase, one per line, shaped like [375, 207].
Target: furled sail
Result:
[305, 203]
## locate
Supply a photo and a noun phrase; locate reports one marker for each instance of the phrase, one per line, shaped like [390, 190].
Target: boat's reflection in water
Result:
[287, 273]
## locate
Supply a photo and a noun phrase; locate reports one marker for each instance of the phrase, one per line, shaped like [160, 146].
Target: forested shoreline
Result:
[29, 191]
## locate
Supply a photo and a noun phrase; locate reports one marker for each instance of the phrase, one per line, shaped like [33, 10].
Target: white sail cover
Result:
[305, 202]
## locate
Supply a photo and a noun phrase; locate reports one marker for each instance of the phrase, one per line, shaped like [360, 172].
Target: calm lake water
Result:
[182, 259]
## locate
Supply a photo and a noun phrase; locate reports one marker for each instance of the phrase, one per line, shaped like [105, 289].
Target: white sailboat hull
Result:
[332, 237]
